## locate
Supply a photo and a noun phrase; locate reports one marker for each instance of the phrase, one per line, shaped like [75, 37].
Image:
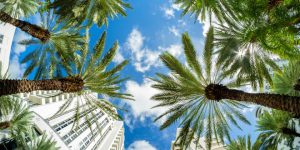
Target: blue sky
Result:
[151, 27]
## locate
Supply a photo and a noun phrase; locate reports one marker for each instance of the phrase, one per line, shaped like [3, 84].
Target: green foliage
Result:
[183, 92]
[16, 113]
[284, 81]
[51, 59]
[203, 9]
[92, 11]
[31, 141]
[244, 143]
[242, 54]
[19, 8]
[273, 128]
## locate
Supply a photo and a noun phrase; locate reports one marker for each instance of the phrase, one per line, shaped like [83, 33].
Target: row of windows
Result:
[87, 140]
[73, 134]
[63, 124]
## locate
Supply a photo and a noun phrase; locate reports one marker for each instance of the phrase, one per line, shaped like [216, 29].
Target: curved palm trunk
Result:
[276, 101]
[33, 30]
[291, 132]
[297, 86]
[72, 84]
[4, 125]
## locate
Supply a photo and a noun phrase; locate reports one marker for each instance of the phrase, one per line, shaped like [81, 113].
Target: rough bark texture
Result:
[297, 86]
[289, 131]
[72, 84]
[33, 30]
[4, 125]
[273, 3]
[276, 101]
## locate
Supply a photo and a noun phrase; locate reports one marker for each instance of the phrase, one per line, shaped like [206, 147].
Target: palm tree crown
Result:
[244, 143]
[242, 52]
[276, 126]
[50, 59]
[15, 115]
[94, 11]
[19, 8]
[184, 90]
[285, 81]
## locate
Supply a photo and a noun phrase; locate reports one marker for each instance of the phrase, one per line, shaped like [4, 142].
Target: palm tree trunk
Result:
[4, 125]
[273, 3]
[289, 131]
[33, 30]
[297, 86]
[276, 101]
[72, 84]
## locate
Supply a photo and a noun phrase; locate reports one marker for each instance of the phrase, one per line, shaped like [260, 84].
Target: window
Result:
[1, 38]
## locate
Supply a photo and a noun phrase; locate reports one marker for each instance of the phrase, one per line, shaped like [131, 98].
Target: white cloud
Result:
[16, 69]
[135, 40]
[169, 12]
[118, 57]
[175, 6]
[207, 23]
[142, 105]
[143, 57]
[174, 31]
[141, 145]
[18, 48]
[175, 49]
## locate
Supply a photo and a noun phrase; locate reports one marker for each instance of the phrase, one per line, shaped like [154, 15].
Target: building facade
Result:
[201, 144]
[109, 135]
[7, 32]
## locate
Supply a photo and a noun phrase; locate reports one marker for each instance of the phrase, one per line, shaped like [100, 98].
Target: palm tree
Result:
[275, 14]
[195, 94]
[88, 72]
[244, 143]
[284, 82]
[245, 51]
[14, 115]
[35, 142]
[276, 126]
[11, 10]
[94, 11]
[203, 9]
[47, 59]
[184, 92]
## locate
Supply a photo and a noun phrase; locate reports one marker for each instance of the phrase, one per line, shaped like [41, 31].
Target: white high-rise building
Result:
[7, 32]
[201, 144]
[109, 135]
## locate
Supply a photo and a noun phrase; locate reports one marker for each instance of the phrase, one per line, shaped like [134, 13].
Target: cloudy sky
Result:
[152, 26]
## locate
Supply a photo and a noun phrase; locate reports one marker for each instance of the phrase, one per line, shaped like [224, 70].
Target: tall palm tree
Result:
[47, 59]
[12, 10]
[89, 71]
[276, 126]
[184, 91]
[94, 11]
[244, 143]
[195, 93]
[285, 81]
